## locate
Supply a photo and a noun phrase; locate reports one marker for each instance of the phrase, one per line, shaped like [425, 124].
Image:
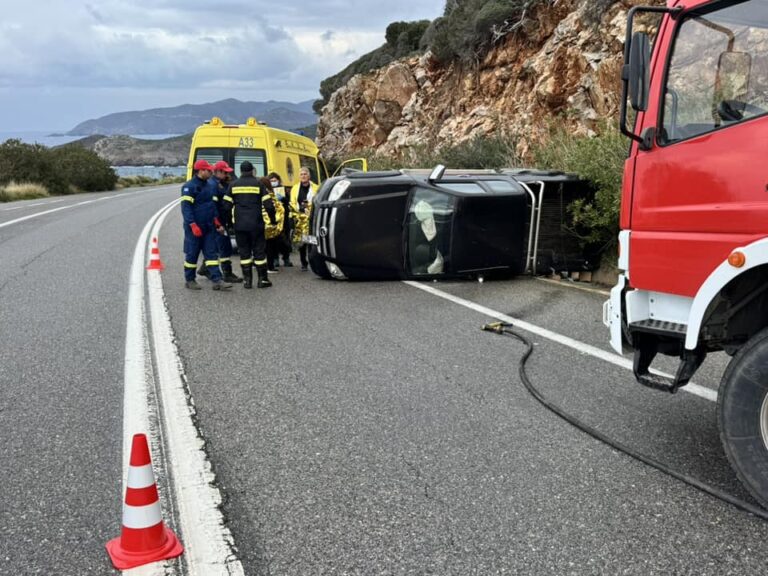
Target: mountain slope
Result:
[185, 118]
[561, 67]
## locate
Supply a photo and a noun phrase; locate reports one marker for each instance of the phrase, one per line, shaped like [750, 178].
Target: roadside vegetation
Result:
[22, 191]
[598, 159]
[35, 171]
[139, 181]
[56, 171]
[469, 28]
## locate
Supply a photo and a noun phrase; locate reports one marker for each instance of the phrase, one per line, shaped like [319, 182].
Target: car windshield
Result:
[429, 222]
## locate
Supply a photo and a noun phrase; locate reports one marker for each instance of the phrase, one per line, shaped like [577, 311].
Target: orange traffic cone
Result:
[154, 257]
[144, 537]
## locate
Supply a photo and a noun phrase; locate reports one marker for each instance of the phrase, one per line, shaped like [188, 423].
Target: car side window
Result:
[430, 216]
[718, 73]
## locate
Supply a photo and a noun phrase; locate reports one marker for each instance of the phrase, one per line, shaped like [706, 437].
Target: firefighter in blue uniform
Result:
[220, 184]
[243, 204]
[201, 226]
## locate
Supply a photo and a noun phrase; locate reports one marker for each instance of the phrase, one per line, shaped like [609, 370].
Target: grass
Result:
[481, 152]
[22, 191]
[139, 181]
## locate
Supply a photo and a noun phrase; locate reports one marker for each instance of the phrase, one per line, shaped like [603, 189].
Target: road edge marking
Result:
[137, 371]
[83, 203]
[582, 347]
[210, 548]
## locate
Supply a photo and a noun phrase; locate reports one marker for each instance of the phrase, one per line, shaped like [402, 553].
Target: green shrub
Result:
[22, 191]
[599, 159]
[469, 28]
[481, 152]
[32, 163]
[402, 39]
[138, 180]
[62, 170]
[83, 169]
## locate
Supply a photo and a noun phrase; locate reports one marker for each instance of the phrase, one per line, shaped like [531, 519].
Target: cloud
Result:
[94, 13]
[189, 46]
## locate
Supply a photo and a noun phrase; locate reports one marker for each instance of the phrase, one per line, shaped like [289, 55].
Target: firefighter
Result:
[301, 206]
[201, 227]
[220, 183]
[244, 205]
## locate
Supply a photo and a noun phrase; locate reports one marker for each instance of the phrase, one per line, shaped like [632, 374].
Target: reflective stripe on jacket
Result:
[245, 198]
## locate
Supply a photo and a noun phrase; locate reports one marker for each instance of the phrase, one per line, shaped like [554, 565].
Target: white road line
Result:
[208, 543]
[52, 210]
[582, 347]
[137, 369]
[209, 546]
[34, 204]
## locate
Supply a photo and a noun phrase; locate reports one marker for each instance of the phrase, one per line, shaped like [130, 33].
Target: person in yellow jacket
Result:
[301, 208]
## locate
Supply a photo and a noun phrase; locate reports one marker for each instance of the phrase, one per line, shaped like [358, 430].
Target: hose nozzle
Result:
[497, 327]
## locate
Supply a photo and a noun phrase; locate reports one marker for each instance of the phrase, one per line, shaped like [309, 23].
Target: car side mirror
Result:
[436, 174]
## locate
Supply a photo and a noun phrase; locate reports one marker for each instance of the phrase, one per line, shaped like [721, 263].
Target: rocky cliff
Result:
[562, 66]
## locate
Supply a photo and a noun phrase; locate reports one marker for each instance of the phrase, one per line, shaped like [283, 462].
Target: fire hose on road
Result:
[506, 329]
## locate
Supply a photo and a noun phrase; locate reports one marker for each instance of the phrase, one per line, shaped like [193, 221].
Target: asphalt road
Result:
[355, 428]
[62, 341]
[372, 428]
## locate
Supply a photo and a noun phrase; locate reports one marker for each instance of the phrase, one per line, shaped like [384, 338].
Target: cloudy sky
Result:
[68, 61]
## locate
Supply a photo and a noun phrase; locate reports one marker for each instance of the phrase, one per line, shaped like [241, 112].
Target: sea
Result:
[51, 139]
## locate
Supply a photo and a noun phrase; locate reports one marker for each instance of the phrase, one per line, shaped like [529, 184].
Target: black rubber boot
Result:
[203, 271]
[229, 276]
[263, 279]
[248, 276]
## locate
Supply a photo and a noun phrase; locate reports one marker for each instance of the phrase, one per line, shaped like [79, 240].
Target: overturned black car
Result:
[381, 225]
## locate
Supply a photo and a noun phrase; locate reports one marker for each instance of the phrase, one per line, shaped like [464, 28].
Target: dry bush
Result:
[22, 191]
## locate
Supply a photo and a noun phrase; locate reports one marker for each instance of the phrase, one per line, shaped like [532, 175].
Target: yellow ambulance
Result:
[268, 149]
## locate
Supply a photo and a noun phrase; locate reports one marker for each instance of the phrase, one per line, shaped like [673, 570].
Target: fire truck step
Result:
[660, 327]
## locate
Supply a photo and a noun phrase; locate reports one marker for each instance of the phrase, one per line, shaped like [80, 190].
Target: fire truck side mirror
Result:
[637, 76]
[732, 85]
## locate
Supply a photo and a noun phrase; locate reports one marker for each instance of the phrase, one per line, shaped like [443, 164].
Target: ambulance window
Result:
[323, 170]
[256, 157]
[289, 169]
[211, 155]
[309, 163]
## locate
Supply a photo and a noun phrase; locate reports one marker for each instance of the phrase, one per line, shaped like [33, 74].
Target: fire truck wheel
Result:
[742, 406]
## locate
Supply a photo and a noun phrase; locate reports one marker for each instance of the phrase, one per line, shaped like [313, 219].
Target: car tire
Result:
[742, 408]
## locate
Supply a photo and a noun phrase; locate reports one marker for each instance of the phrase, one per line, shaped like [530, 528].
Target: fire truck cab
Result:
[694, 213]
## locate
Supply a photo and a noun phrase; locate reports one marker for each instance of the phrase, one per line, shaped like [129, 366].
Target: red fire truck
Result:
[694, 213]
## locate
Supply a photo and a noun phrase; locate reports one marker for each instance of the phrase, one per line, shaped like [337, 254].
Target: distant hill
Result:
[127, 151]
[185, 118]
